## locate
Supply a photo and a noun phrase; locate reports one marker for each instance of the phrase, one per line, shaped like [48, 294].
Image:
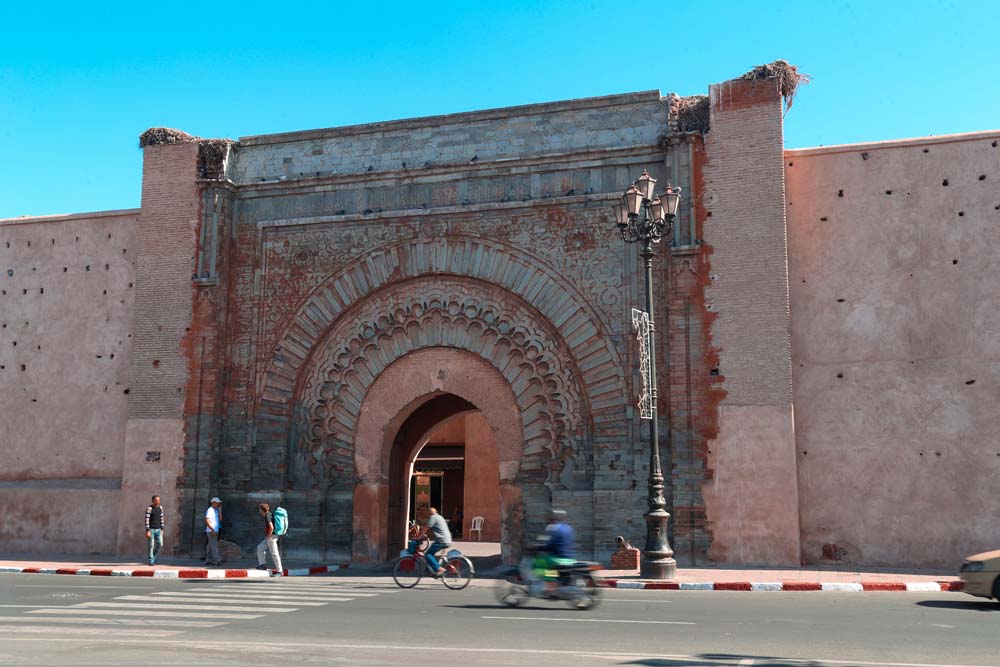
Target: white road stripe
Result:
[167, 605]
[584, 620]
[75, 586]
[308, 601]
[266, 595]
[140, 612]
[208, 601]
[164, 623]
[50, 630]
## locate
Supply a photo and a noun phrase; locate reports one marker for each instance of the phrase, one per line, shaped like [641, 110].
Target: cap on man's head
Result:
[216, 499]
[557, 515]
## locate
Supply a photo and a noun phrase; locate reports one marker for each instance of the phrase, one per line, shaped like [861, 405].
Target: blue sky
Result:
[78, 84]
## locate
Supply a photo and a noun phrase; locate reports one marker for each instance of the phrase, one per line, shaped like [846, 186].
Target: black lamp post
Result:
[643, 217]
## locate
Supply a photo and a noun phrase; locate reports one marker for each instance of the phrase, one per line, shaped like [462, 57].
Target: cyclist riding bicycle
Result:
[438, 529]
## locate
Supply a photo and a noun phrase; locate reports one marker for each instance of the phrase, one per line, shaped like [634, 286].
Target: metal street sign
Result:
[640, 320]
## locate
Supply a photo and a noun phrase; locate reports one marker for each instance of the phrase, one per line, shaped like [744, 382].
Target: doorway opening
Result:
[445, 456]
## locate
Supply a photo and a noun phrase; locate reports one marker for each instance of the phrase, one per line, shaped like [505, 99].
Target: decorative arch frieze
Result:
[442, 312]
[523, 311]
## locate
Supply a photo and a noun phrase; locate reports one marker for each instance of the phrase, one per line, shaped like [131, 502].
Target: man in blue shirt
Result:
[558, 549]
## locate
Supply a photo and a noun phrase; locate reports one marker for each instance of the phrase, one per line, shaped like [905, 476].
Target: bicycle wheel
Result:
[408, 571]
[457, 573]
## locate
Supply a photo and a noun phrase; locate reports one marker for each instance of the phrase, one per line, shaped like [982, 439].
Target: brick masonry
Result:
[274, 297]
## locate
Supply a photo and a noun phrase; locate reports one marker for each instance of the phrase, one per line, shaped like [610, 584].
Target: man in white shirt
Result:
[213, 520]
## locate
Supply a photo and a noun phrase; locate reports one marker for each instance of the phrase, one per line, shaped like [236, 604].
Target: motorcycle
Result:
[577, 584]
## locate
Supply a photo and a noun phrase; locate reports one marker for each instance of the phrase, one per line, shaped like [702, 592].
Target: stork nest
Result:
[211, 152]
[691, 113]
[788, 77]
[160, 136]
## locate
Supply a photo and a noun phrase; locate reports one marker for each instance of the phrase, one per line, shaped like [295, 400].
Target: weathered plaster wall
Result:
[893, 268]
[482, 478]
[751, 502]
[66, 298]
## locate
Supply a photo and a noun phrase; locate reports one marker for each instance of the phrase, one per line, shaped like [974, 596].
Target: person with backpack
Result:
[275, 525]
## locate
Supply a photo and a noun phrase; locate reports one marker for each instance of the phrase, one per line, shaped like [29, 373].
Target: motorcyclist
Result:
[557, 549]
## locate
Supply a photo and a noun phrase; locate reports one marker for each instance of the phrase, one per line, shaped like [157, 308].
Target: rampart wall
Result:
[66, 298]
[895, 310]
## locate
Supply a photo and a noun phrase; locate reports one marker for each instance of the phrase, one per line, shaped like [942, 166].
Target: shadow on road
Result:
[974, 605]
[723, 660]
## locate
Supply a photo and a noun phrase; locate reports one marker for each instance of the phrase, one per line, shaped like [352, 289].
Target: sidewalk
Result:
[694, 578]
[168, 567]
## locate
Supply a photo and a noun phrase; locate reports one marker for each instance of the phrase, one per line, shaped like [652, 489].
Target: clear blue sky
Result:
[80, 82]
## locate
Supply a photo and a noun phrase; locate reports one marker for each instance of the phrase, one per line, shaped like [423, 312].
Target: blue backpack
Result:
[280, 519]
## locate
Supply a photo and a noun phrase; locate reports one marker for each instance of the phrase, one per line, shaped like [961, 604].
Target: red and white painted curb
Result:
[921, 586]
[179, 573]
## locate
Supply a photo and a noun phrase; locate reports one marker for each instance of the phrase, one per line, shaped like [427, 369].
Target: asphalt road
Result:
[65, 620]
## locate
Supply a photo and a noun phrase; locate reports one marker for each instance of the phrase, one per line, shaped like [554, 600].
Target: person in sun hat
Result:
[213, 521]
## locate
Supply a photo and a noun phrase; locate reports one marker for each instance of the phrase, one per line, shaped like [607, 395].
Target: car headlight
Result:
[972, 566]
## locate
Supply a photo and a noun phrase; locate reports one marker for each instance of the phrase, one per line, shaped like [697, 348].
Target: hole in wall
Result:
[840, 376]
[927, 150]
[982, 177]
[88, 267]
[840, 301]
[823, 219]
[970, 382]
[156, 363]
[888, 192]
[945, 182]
[840, 193]
[954, 261]
[865, 156]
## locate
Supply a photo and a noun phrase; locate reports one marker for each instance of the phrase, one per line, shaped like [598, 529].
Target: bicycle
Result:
[412, 567]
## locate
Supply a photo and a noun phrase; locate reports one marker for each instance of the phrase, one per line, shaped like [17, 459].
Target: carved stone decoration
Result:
[442, 312]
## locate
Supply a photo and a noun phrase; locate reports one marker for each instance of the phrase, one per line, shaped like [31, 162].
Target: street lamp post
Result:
[643, 217]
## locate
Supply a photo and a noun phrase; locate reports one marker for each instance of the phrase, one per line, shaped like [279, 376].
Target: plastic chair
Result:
[477, 526]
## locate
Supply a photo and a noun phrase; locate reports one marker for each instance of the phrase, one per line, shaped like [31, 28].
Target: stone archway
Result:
[458, 293]
[393, 397]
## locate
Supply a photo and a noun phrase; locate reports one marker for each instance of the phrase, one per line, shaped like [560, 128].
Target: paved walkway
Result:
[486, 555]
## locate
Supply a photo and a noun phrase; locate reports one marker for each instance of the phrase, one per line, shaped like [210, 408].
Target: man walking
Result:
[213, 520]
[269, 543]
[154, 529]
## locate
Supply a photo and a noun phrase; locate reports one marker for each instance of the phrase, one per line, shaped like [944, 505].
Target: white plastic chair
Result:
[477, 526]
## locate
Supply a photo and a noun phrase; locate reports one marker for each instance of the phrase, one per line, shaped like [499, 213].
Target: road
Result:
[65, 620]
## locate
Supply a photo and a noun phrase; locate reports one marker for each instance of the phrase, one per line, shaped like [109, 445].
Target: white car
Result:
[981, 575]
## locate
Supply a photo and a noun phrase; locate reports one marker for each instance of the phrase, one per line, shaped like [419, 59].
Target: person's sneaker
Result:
[152, 562]
[262, 567]
[439, 573]
[276, 574]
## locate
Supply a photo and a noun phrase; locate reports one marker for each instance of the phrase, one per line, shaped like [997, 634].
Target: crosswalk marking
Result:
[181, 597]
[307, 601]
[68, 611]
[167, 622]
[201, 604]
[130, 605]
[49, 630]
